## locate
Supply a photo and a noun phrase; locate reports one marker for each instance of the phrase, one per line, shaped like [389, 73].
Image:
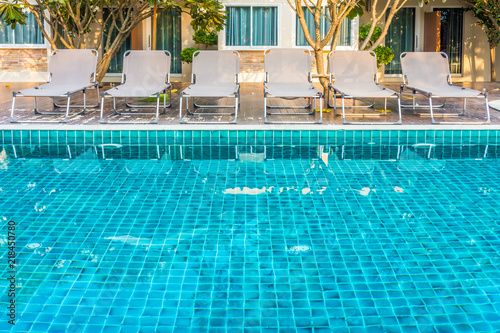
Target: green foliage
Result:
[187, 54]
[365, 29]
[384, 54]
[357, 10]
[207, 15]
[203, 37]
[12, 14]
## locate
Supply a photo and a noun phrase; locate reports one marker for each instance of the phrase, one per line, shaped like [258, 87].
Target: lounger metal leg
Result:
[188, 112]
[334, 106]
[96, 86]
[291, 107]
[180, 110]
[102, 110]
[266, 121]
[12, 120]
[155, 121]
[84, 101]
[156, 113]
[211, 107]
[488, 116]
[347, 106]
[149, 105]
[237, 104]
[312, 103]
[346, 122]
[400, 120]
[67, 110]
[35, 104]
[414, 104]
[320, 109]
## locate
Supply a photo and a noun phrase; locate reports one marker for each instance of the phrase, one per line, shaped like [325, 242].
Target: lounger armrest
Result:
[449, 80]
[168, 78]
[266, 77]
[405, 82]
[330, 77]
[376, 78]
[310, 76]
[193, 78]
[237, 78]
[123, 78]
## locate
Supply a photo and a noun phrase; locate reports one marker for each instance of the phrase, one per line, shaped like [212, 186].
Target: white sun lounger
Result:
[70, 72]
[145, 74]
[215, 75]
[288, 75]
[428, 73]
[355, 76]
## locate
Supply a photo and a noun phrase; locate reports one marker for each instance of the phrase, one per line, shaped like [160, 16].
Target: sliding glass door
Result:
[451, 36]
[400, 38]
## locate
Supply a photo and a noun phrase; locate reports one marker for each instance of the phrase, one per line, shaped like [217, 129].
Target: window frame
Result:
[43, 45]
[252, 47]
[354, 37]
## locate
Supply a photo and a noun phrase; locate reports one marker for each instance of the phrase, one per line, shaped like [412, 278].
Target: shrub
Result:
[187, 54]
[202, 37]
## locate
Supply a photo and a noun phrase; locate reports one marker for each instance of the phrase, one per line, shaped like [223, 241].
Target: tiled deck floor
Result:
[251, 111]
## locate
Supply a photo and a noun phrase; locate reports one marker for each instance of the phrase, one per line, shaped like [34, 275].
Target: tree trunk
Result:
[103, 65]
[320, 66]
[492, 63]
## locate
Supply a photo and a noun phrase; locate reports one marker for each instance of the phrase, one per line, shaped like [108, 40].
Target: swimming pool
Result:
[376, 237]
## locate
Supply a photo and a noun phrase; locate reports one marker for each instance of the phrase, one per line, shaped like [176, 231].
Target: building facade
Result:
[256, 26]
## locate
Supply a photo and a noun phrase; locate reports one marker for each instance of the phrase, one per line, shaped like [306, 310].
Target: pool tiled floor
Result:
[298, 241]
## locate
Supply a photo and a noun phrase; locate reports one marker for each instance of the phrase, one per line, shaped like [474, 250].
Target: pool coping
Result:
[229, 127]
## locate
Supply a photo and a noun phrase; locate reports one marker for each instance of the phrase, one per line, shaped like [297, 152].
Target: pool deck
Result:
[250, 115]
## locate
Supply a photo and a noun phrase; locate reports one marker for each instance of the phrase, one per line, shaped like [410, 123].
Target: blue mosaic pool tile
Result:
[345, 137]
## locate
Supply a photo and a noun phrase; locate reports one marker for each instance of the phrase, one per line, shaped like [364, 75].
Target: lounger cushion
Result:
[214, 90]
[448, 91]
[129, 90]
[51, 90]
[367, 91]
[291, 90]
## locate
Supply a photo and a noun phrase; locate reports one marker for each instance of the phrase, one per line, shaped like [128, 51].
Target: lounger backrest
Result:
[350, 67]
[211, 67]
[287, 65]
[146, 68]
[75, 67]
[425, 69]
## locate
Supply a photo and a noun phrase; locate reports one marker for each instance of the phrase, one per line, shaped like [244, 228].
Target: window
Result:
[28, 34]
[252, 26]
[345, 29]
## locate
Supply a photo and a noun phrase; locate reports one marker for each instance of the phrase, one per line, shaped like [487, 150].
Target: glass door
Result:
[451, 34]
[400, 37]
[168, 37]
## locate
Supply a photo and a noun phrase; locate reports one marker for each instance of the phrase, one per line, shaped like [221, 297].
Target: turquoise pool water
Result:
[178, 237]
